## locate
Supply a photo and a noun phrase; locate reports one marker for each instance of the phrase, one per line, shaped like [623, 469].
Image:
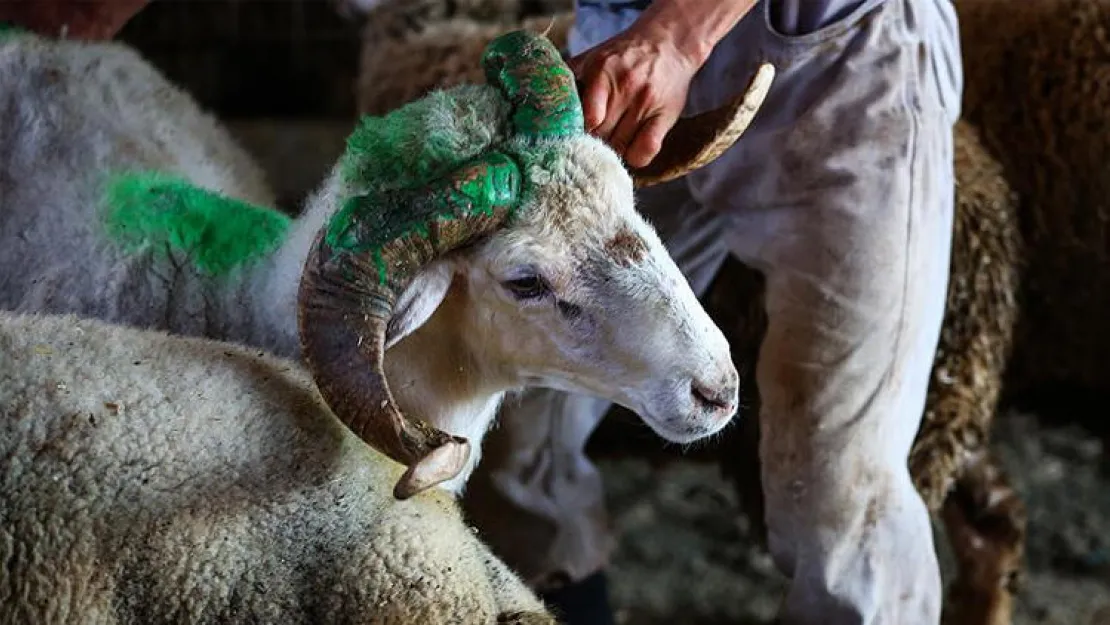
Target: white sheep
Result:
[151, 478]
[480, 224]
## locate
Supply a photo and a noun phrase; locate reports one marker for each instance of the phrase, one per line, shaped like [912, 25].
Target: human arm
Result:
[634, 85]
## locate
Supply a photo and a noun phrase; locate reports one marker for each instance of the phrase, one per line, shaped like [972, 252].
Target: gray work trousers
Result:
[842, 194]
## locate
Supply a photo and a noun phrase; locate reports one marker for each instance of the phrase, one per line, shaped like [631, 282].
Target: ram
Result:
[478, 234]
[1030, 271]
[152, 478]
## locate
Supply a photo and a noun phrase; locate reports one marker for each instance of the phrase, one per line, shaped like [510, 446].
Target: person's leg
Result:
[535, 497]
[842, 194]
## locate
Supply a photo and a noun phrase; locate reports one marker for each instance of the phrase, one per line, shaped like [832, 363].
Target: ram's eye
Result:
[529, 287]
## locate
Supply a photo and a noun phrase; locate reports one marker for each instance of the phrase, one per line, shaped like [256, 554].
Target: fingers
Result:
[604, 98]
[594, 89]
[633, 129]
[629, 98]
[649, 140]
[624, 110]
[626, 129]
[596, 105]
[620, 103]
[639, 135]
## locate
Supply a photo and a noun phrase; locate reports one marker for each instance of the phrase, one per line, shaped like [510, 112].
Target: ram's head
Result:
[565, 282]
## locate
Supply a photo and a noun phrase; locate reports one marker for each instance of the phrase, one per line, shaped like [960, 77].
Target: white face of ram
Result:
[581, 295]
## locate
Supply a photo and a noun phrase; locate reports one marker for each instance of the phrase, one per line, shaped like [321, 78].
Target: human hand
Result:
[634, 88]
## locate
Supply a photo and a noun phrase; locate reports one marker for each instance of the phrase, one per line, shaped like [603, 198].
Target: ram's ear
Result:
[415, 306]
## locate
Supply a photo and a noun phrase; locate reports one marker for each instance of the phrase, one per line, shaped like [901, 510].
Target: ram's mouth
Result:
[682, 431]
[682, 420]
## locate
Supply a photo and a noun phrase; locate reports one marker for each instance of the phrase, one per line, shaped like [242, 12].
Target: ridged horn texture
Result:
[357, 267]
[532, 75]
[697, 141]
[375, 244]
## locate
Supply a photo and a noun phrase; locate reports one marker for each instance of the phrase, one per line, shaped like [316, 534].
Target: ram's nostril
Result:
[714, 397]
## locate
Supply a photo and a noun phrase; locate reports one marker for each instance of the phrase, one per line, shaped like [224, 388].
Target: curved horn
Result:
[374, 246]
[531, 74]
[696, 141]
[358, 266]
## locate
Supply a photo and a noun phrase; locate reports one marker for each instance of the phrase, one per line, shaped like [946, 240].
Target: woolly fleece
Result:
[158, 479]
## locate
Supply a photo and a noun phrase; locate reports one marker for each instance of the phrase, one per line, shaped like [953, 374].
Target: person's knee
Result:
[863, 557]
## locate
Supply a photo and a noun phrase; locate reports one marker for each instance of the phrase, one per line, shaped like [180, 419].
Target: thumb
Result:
[649, 140]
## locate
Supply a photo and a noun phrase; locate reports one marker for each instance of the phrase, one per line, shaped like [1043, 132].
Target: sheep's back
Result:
[71, 116]
[154, 479]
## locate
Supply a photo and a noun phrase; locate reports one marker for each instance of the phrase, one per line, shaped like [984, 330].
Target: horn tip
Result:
[441, 464]
[727, 125]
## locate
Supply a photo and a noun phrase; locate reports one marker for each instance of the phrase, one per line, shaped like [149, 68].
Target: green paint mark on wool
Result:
[431, 174]
[424, 139]
[217, 233]
[531, 95]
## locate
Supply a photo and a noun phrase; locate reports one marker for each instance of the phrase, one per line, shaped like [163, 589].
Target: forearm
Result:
[694, 26]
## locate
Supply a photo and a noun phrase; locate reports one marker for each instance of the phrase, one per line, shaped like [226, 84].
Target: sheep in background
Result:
[151, 478]
[1037, 87]
[446, 58]
[489, 199]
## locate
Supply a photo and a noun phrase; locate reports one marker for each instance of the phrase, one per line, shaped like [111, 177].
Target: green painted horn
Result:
[531, 74]
[375, 244]
[358, 265]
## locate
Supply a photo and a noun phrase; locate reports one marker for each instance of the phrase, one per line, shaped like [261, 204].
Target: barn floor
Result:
[683, 558]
